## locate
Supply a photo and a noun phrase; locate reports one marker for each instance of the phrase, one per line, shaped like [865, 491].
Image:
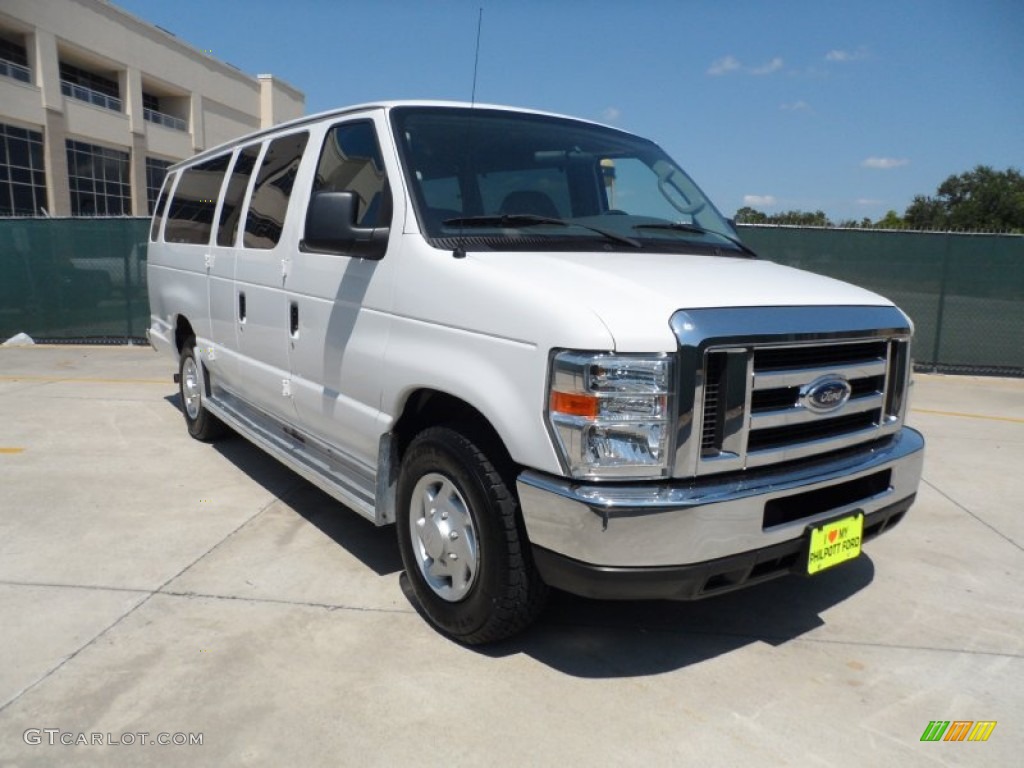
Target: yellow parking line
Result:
[11, 451]
[73, 380]
[1010, 419]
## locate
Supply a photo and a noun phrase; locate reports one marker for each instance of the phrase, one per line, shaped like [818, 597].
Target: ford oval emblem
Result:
[826, 394]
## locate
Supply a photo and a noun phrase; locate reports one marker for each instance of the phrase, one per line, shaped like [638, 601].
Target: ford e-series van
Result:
[535, 346]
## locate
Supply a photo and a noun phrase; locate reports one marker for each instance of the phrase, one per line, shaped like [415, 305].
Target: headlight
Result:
[611, 414]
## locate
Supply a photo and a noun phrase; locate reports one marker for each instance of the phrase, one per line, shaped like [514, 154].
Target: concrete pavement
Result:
[153, 584]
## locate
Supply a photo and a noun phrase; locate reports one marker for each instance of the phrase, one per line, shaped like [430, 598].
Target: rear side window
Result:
[231, 209]
[161, 201]
[351, 162]
[270, 195]
[190, 219]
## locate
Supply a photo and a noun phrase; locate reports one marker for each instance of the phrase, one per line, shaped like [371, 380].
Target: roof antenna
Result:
[476, 58]
[460, 249]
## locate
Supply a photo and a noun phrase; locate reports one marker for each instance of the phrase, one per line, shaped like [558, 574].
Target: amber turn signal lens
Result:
[574, 404]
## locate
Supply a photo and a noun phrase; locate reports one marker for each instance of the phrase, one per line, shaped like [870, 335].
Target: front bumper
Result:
[686, 539]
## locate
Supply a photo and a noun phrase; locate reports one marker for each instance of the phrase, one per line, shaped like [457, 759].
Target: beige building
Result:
[96, 103]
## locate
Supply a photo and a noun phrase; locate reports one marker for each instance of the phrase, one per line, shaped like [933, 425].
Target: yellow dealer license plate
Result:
[835, 542]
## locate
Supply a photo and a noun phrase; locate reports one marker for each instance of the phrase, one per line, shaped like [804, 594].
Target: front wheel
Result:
[202, 424]
[462, 542]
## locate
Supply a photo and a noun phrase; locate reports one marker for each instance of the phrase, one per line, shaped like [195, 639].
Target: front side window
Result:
[351, 162]
[269, 204]
[494, 179]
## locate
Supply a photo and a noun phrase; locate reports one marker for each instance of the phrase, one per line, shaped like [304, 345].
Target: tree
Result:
[748, 215]
[805, 218]
[891, 220]
[864, 223]
[982, 200]
[927, 213]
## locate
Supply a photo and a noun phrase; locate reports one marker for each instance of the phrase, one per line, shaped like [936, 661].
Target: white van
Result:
[532, 343]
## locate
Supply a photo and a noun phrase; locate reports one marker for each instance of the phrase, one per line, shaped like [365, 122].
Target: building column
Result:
[266, 100]
[196, 121]
[137, 171]
[42, 50]
[55, 156]
[279, 102]
[130, 82]
[46, 68]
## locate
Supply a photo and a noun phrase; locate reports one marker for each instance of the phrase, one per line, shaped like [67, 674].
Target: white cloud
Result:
[868, 202]
[796, 106]
[728, 64]
[724, 66]
[763, 200]
[772, 66]
[840, 55]
[611, 114]
[884, 163]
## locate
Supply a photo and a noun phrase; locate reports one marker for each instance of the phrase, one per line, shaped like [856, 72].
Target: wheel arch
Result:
[424, 408]
[431, 408]
[183, 331]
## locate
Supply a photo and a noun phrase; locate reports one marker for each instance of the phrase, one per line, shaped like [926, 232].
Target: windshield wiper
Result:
[515, 220]
[679, 226]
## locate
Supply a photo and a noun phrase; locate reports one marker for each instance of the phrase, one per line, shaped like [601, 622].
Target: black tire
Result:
[504, 593]
[202, 424]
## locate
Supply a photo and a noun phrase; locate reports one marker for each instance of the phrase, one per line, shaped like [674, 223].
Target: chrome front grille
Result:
[767, 418]
[812, 388]
[784, 373]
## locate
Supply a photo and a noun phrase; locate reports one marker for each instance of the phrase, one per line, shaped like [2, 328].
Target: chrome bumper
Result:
[682, 523]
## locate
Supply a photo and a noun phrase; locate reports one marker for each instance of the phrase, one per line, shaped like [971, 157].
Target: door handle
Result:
[241, 307]
[294, 319]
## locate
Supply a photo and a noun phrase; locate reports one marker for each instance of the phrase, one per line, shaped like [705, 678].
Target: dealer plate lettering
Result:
[835, 542]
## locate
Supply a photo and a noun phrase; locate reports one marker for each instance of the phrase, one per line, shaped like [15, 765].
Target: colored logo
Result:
[958, 730]
[826, 394]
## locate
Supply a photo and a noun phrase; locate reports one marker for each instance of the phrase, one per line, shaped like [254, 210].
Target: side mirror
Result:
[331, 228]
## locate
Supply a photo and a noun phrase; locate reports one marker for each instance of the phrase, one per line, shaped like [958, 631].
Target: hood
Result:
[634, 295]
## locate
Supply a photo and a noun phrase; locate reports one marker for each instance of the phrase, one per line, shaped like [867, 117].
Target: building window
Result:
[14, 61]
[83, 85]
[22, 177]
[99, 180]
[152, 112]
[155, 172]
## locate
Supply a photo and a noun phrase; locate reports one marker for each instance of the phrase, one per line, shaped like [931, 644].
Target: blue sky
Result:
[848, 107]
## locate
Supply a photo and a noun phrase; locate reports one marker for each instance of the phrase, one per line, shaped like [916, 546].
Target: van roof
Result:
[339, 111]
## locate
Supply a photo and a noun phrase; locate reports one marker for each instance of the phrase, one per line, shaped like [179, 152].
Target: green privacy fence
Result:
[85, 280]
[73, 279]
[964, 292]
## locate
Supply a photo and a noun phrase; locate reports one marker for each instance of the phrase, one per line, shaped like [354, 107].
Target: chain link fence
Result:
[84, 280]
[964, 292]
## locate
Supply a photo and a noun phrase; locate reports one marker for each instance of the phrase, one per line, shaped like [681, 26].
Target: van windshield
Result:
[485, 179]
